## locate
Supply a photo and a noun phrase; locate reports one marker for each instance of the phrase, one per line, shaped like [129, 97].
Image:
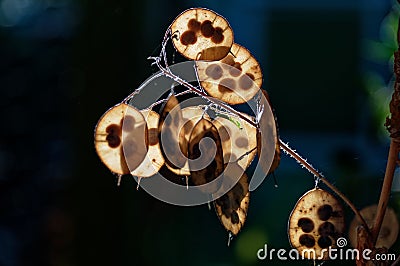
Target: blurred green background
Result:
[63, 63]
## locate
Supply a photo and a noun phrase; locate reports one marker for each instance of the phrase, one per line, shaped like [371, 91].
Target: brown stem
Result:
[386, 189]
[310, 168]
[393, 126]
[182, 82]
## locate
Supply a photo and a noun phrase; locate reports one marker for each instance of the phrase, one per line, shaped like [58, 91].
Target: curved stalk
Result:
[312, 170]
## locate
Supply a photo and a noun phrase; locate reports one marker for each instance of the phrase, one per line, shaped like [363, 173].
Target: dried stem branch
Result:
[386, 189]
[199, 92]
[393, 126]
[310, 168]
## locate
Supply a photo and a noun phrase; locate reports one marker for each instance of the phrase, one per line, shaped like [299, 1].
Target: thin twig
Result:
[199, 92]
[310, 168]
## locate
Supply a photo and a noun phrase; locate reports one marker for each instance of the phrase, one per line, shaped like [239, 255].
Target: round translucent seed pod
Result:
[389, 230]
[168, 128]
[109, 137]
[231, 208]
[238, 139]
[134, 138]
[201, 34]
[206, 160]
[235, 79]
[315, 224]
[175, 129]
[153, 160]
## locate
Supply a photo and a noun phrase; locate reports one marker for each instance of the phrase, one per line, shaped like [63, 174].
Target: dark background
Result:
[64, 63]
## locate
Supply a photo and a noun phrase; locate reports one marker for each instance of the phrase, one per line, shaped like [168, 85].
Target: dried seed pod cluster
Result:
[209, 146]
[315, 224]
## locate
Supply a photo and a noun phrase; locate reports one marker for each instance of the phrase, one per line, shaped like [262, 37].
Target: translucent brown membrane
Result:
[134, 138]
[205, 155]
[238, 137]
[235, 79]
[267, 139]
[190, 116]
[315, 223]
[168, 127]
[389, 230]
[153, 160]
[201, 34]
[109, 140]
[178, 133]
[231, 208]
[277, 155]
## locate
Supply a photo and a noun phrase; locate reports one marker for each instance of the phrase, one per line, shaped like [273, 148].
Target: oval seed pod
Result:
[277, 155]
[389, 230]
[231, 208]
[153, 159]
[168, 128]
[238, 137]
[235, 79]
[315, 223]
[108, 138]
[201, 34]
[205, 155]
[178, 133]
[134, 138]
[267, 141]
[190, 116]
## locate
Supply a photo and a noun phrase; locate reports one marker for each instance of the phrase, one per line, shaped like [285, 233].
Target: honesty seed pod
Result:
[119, 132]
[175, 127]
[315, 223]
[190, 117]
[277, 155]
[206, 160]
[201, 34]
[168, 128]
[153, 159]
[238, 137]
[231, 208]
[389, 230]
[235, 79]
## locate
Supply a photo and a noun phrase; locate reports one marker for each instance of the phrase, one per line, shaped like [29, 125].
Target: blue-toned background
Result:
[63, 63]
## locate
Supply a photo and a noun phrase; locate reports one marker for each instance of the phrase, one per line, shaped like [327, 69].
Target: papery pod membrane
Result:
[315, 224]
[168, 128]
[238, 137]
[206, 161]
[232, 207]
[201, 34]
[109, 139]
[277, 155]
[154, 159]
[234, 79]
[176, 131]
[389, 229]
